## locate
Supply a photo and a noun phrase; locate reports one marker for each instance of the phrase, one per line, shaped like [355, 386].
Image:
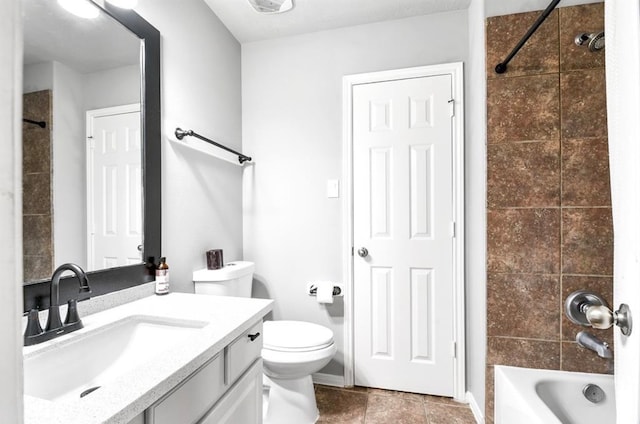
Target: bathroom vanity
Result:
[179, 358]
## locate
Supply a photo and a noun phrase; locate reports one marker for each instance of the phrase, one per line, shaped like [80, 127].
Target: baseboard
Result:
[477, 411]
[328, 379]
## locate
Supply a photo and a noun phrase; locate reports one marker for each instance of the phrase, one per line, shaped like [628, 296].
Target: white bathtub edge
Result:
[520, 400]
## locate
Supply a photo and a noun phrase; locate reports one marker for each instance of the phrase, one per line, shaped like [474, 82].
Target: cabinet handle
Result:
[252, 337]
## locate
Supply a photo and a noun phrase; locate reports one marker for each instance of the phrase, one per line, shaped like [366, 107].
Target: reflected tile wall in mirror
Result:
[37, 214]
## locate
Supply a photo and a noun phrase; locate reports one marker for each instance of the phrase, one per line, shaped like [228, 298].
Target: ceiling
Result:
[316, 15]
[85, 45]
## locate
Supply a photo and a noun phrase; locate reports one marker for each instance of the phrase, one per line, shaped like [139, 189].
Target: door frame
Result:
[90, 116]
[455, 69]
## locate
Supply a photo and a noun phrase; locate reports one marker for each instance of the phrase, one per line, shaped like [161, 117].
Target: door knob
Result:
[586, 308]
[139, 248]
[363, 252]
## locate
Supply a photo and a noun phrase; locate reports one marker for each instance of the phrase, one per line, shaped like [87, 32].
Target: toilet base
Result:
[291, 401]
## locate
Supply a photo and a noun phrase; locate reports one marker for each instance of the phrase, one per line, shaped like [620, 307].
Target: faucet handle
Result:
[72, 312]
[33, 324]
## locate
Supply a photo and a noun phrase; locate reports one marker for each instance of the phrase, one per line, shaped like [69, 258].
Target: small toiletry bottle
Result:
[162, 277]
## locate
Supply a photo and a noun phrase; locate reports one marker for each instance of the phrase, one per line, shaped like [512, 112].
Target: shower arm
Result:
[502, 66]
[41, 124]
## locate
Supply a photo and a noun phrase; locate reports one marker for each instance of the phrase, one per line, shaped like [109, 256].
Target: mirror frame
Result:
[36, 294]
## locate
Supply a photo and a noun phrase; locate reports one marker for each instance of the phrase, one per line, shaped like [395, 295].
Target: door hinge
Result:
[453, 229]
[454, 349]
[452, 107]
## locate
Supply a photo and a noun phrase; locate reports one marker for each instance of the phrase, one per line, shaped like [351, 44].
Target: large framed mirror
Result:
[91, 149]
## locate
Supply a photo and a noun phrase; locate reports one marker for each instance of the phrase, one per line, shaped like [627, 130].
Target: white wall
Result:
[69, 169]
[475, 214]
[201, 195]
[37, 77]
[112, 87]
[11, 212]
[292, 125]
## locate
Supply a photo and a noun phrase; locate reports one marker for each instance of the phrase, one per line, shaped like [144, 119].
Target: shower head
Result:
[594, 40]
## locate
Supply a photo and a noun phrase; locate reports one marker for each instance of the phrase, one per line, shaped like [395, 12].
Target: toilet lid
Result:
[296, 336]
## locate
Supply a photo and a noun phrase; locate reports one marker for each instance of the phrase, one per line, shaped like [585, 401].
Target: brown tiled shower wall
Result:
[549, 228]
[37, 218]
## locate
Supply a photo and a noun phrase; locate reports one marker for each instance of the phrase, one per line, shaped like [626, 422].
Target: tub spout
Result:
[590, 341]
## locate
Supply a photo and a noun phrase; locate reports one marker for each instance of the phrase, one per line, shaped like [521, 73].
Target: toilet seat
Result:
[296, 336]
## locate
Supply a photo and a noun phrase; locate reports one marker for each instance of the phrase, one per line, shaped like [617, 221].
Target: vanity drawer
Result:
[241, 353]
[193, 398]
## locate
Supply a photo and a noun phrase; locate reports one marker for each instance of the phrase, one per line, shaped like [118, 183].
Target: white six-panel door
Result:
[114, 187]
[403, 216]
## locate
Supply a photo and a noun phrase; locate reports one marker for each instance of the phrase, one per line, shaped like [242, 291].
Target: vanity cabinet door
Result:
[191, 399]
[242, 404]
[241, 353]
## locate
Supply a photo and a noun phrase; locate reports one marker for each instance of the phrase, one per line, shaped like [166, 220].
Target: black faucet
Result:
[34, 333]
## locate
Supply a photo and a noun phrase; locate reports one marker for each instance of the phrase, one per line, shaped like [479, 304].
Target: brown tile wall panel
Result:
[576, 20]
[584, 104]
[36, 194]
[36, 199]
[538, 56]
[523, 109]
[549, 229]
[523, 353]
[579, 359]
[37, 235]
[523, 305]
[523, 174]
[36, 150]
[585, 172]
[587, 241]
[523, 240]
[35, 267]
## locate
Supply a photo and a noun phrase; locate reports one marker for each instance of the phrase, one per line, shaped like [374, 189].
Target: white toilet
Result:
[291, 352]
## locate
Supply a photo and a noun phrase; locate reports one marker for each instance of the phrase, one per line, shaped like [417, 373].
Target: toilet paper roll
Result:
[324, 294]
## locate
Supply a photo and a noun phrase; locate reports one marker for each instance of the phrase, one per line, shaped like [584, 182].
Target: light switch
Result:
[333, 188]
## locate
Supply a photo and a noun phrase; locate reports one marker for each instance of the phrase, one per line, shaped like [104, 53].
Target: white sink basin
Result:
[65, 370]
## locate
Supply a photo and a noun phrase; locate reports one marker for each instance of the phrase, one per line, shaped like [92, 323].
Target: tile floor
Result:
[361, 405]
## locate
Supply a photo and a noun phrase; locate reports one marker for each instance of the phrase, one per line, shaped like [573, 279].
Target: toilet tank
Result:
[233, 279]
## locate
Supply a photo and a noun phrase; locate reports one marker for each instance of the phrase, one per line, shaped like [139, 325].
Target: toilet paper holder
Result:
[312, 290]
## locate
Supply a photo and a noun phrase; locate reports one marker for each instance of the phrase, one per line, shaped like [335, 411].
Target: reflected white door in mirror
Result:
[114, 187]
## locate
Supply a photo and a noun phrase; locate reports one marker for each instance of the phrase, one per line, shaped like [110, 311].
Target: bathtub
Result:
[528, 396]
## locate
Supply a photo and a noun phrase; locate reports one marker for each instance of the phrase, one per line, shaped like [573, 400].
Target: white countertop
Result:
[121, 400]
